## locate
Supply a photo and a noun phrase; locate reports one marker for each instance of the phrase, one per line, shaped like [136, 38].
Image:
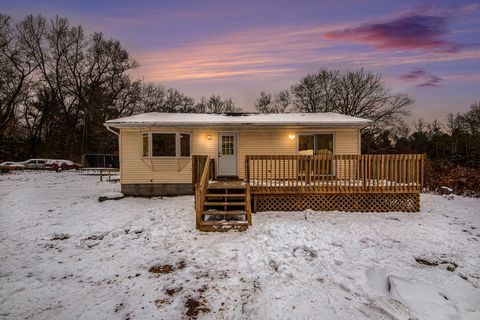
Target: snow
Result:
[60, 162]
[112, 195]
[64, 255]
[328, 119]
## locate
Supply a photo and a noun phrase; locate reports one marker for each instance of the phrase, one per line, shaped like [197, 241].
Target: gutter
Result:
[233, 124]
[111, 130]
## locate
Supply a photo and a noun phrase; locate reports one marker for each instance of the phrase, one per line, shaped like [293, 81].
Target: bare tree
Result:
[175, 101]
[278, 104]
[316, 92]
[215, 104]
[355, 93]
[78, 82]
[15, 68]
[283, 101]
[264, 102]
[152, 98]
[472, 119]
[202, 105]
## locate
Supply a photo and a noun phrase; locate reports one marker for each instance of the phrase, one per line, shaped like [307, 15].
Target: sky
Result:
[427, 49]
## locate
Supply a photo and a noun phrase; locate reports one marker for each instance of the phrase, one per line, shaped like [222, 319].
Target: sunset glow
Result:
[237, 49]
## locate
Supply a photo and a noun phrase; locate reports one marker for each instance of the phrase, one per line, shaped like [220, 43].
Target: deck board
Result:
[235, 184]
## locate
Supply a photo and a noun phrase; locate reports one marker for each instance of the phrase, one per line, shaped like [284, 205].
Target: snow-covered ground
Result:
[64, 255]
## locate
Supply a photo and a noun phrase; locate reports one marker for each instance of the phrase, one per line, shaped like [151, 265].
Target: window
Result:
[227, 145]
[315, 144]
[145, 145]
[184, 145]
[166, 144]
[306, 144]
[163, 144]
[324, 144]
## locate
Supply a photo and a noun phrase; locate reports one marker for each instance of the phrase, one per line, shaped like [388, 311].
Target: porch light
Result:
[291, 136]
[209, 137]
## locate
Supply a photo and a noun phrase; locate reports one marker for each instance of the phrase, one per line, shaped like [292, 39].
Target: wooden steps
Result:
[224, 213]
[213, 203]
[223, 226]
[226, 207]
[233, 195]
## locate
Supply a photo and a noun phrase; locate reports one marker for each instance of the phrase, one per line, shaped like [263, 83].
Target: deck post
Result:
[197, 209]
[308, 173]
[247, 169]
[248, 204]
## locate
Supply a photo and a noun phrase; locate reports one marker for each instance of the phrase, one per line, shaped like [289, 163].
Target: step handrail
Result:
[201, 190]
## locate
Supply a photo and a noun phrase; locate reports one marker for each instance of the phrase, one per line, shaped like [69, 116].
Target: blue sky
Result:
[429, 49]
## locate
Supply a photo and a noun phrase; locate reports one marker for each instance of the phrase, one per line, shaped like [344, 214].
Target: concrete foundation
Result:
[157, 189]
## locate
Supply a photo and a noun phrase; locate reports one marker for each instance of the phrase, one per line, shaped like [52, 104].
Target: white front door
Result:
[227, 154]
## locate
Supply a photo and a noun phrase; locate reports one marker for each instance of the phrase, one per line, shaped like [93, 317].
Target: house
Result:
[289, 161]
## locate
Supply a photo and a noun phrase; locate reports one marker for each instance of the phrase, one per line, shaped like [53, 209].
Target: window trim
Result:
[177, 144]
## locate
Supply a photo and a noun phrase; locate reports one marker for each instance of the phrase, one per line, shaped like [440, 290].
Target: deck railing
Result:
[201, 189]
[198, 165]
[335, 173]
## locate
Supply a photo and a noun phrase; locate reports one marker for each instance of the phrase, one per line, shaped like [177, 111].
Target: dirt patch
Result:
[194, 307]
[305, 252]
[167, 268]
[393, 219]
[160, 302]
[451, 265]
[202, 289]
[119, 307]
[95, 237]
[172, 291]
[427, 262]
[161, 269]
[60, 236]
[182, 264]
[274, 265]
[202, 274]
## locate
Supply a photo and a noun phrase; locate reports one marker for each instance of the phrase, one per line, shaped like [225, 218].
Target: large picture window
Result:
[169, 144]
[316, 144]
[163, 144]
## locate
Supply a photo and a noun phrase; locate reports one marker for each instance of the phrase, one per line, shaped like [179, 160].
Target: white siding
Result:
[136, 169]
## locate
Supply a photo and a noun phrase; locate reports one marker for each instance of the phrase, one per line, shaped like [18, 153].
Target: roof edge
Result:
[120, 125]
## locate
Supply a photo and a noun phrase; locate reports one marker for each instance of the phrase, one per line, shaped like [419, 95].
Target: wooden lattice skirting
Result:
[361, 202]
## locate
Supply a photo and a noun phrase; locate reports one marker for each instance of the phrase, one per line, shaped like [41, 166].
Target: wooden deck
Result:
[335, 173]
[354, 183]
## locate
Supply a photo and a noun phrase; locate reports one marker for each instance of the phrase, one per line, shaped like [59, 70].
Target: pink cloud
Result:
[420, 75]
[410, 32]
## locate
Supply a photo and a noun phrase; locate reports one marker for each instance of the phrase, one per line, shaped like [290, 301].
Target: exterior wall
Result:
[136, 169]
[277, 142]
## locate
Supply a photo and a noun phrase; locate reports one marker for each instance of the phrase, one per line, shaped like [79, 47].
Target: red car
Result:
[61, 164]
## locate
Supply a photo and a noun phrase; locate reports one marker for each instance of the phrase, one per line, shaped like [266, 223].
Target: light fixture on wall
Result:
[291, 136]
[209, 137]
